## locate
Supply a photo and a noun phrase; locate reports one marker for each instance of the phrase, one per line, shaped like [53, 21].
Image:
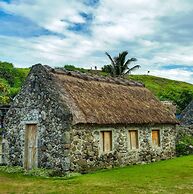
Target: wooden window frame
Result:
[159, 138]
[130, 139]
[102, 142]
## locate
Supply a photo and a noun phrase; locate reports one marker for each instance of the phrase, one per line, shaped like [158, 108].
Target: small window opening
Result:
[106, 141]
[133, 139]
[156, 137]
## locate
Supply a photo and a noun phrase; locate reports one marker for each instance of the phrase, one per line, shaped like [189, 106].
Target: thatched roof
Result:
[99, 100]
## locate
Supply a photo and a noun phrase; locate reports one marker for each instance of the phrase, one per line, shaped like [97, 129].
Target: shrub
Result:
[11, 169]
[73, 68]
[106, 69]
[42, 172]
[184, 146]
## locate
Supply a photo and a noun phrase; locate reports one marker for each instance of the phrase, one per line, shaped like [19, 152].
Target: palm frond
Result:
[122, 57]
[118, 64]
[128, 62]
[132, 69]
[112, 61]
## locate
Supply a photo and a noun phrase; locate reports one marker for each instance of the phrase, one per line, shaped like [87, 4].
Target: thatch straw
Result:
[102, 102]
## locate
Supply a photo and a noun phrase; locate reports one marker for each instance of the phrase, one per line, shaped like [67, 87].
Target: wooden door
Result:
[30, 154]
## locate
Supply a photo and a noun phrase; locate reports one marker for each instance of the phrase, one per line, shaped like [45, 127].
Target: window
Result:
[133, 139]
[106, 141]
[156, 137]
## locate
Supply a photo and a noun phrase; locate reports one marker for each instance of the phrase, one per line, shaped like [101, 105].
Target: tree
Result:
[180, 97]
[4, 92]
[73, 68]
[118, 66]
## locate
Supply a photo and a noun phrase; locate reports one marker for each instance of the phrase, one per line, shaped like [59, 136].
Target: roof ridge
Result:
[87, 77]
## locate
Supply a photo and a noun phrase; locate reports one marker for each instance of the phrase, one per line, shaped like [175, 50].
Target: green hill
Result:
[11, 80]
[181, 93]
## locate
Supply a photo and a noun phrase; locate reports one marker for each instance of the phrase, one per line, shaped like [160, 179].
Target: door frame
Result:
[36, 143]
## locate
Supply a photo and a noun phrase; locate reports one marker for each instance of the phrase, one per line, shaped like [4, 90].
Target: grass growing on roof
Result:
[172, 176]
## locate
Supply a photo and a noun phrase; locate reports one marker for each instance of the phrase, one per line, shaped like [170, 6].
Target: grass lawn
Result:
[171, 176]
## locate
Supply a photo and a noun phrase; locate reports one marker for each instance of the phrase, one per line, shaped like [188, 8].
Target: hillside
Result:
[181, 93]
[11, 79]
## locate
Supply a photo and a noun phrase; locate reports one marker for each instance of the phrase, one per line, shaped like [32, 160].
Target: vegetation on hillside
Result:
[184, 146]
[170, 176]
[11, 79]
[73, 68]
[181, 93]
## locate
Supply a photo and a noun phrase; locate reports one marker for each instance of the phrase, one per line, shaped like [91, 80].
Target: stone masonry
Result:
[40, 106]
[86, 153]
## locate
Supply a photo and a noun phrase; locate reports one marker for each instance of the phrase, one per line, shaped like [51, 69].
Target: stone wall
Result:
[38, 103]
[183, 130]
[86, 154]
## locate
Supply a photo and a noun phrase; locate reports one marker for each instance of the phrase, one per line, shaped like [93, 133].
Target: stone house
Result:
[75, 122]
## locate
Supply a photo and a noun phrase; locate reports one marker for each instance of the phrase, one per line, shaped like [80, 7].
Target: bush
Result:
[4, 100]
[38, 172]
[184, 146]
[42, 172]
[73, 68]
[12, 169]
[107, 69]
[11, 79]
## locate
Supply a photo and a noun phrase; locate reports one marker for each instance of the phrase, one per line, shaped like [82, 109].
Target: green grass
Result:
[172, 176]
[158, 84]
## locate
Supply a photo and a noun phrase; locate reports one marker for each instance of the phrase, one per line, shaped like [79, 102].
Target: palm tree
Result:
[118, 65]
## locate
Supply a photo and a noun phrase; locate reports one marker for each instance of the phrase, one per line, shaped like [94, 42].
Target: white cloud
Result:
[175, 74]
[52, 15]
[117, 25]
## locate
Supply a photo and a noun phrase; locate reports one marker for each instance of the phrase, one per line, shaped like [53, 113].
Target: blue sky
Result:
[61, 32]
[18, 26]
